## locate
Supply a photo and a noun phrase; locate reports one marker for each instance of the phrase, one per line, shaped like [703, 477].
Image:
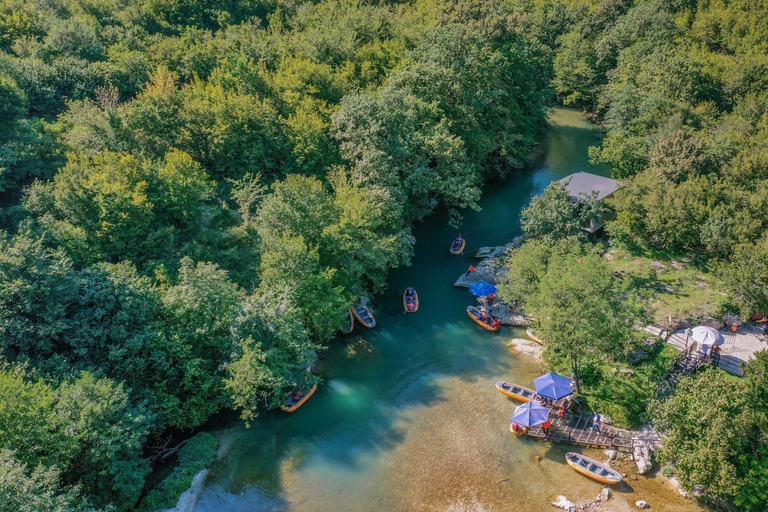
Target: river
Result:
[407, 418]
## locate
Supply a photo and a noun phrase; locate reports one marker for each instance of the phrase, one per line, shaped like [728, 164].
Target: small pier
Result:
[576, 429]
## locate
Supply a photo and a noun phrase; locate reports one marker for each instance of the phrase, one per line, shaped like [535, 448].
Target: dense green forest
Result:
[193, 192]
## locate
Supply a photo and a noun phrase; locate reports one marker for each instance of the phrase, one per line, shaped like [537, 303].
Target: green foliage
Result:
[196, 454]
[745, 278]
[35, 490]
[527, 266]
[716, 434]
[554, 216]
[200, 310]
[684, 104]
[586, 314]
[269, 330]
[86, 428]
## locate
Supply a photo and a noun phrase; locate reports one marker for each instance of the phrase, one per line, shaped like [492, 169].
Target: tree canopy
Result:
[193, 195]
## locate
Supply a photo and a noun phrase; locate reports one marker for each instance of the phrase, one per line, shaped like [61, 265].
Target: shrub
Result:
[196, 455]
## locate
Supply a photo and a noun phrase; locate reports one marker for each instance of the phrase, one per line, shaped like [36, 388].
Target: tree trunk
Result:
[575, 369]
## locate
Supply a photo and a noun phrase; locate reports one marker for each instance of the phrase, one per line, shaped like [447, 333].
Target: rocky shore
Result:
[490, 269]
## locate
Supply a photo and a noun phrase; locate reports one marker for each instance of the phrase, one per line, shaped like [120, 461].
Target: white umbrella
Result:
[707, 335]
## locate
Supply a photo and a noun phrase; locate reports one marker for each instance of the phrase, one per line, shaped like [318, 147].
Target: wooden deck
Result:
[576, 429]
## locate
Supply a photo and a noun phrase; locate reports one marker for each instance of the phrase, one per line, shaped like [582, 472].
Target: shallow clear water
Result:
[407, 417]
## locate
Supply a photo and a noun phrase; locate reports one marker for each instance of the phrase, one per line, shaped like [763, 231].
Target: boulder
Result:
[643, 459]
[485, 271]
[490, 252]
[606, 493]
[642, 504]
[611, 454]
[506, 316]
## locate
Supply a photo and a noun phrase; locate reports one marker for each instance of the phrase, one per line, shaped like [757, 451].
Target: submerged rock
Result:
[563, 503]
[527, 347]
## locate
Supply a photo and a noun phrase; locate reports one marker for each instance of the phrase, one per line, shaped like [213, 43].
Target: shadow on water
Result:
[407, 417]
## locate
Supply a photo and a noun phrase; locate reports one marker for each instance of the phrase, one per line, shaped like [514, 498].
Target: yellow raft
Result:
[519, 393]
[475, 314]
[592, 469]
[535, 338]
[521, 431]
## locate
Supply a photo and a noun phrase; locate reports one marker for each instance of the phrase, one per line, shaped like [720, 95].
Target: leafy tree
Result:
[35, 490]
[87, 428]
[713, 438]
[199, 311]
[745, 277]
[584, 312]
[273, 352]
[528, 265]
[553, 215]
[37, 286]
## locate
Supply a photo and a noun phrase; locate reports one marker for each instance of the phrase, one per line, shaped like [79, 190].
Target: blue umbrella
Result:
[482, 289]
[530, 414]
[553, 386]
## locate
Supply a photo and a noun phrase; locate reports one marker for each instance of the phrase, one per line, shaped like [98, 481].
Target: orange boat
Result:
[476, 315]
[518, 430]
[297, 399]
[456, 248]
[364, 316]
[411, 307]
[516, 392]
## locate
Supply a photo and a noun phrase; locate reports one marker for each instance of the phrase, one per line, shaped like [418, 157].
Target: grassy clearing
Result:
[624, 397]
[680, 288]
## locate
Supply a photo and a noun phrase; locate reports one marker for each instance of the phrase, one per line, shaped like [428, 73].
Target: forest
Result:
[193, 193]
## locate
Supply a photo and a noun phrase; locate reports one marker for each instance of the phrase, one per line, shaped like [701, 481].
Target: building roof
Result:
[583, 184]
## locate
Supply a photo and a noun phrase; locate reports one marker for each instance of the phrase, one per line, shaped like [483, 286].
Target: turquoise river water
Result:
[407, 417]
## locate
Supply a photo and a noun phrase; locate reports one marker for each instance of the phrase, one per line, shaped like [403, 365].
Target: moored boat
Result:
[519, 393]
[535, 338]
[518, 430]
[364, 316]
[298, 399]
[458, 245]
[592, 469]
[410, 300]
[350, 325]
[480, 318]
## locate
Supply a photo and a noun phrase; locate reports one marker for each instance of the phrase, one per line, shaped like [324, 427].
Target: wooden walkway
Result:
[576, 429]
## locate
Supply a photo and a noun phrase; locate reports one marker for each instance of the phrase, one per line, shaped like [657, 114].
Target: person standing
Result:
[596, 422]
[546, 426]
